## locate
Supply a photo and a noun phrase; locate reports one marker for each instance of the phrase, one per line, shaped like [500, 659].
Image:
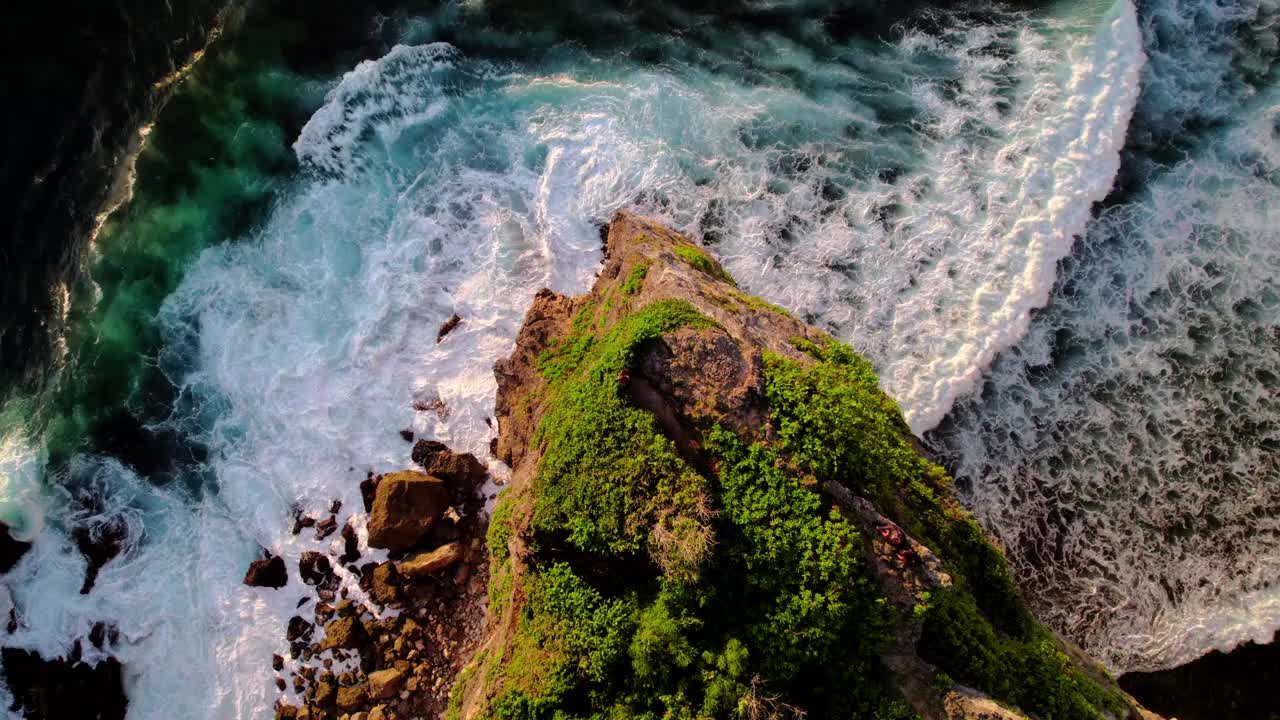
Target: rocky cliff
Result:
[715, 512]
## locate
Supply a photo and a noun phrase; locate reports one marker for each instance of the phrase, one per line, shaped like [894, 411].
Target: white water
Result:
[438, 183]
[1127, 450]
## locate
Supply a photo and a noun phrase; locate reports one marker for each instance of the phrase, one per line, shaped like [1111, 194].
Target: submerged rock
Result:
[11, 549]
[447, 327]
[64, 689]
[405, 508]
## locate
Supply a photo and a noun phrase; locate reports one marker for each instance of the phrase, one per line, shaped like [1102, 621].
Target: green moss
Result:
[1029, 671]
[755, 303]
[454, 710]
[609, 479]
[699, 259]
[499, 534]
[635, 278]
[767, 598]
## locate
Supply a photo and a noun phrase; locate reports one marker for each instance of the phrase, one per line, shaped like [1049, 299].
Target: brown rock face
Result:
[384, 584]
[406, 507]
[345, 632]
[267, 573]
[384, 684]
[425, 563]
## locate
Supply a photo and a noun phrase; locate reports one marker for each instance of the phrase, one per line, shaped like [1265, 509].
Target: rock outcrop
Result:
[406, 506]
[714, 511]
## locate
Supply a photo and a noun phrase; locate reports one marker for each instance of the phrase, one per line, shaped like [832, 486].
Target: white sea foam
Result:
[1127, 450]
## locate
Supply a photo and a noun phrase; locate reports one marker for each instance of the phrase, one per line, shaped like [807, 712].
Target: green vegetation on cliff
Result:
[703, 573]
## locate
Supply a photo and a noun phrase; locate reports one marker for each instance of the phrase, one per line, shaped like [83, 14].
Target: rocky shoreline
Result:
[391, 648]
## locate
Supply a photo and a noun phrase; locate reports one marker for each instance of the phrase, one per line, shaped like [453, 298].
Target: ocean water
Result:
[1051, 227]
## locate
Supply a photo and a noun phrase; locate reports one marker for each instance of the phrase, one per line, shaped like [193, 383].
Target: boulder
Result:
[325, 693]
[384, 583]
[424, 564]
[345, 632]
[267, 573]
[352, 698]
[405, 508]
[314, 568]
[384, 684]
[462, 472]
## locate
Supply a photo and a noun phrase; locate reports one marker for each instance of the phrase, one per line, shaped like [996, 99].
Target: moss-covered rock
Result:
[715, 512]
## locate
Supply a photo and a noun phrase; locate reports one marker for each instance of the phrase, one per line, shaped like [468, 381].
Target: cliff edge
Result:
[715, 512]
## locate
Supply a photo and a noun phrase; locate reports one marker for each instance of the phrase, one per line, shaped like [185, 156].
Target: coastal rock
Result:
[462, 472]
[11, 549]
[424, 564]
[344, 632]
[314, 568]
[100, 542]
[405, 508]
[776, 435]
[447, 327]
[61, 689]
[384, 583]
[352, 698]
[384, 684]
[267, 573]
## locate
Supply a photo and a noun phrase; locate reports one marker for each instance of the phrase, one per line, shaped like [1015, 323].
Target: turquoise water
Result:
[261, 321]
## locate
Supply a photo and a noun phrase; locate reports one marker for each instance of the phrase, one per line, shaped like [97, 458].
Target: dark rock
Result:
[325, 693]
[11, 549]
[406, 507]
[267, 573]
[335, 507]
[425, 450]
[326, 527]
[424, 564]
[298, 629]
[493, 447]
[461, 471]
[350, 545]
[301, 521]
[407, 435]
[62, 689]
[344, 632]
[369, 490]
[102, 635]
[314, 568]
[277, 663]
[280, 684]
[100, 542]
[447, 327]
[351, 699]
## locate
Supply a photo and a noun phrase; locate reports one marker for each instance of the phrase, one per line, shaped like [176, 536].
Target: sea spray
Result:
[1126, 451]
